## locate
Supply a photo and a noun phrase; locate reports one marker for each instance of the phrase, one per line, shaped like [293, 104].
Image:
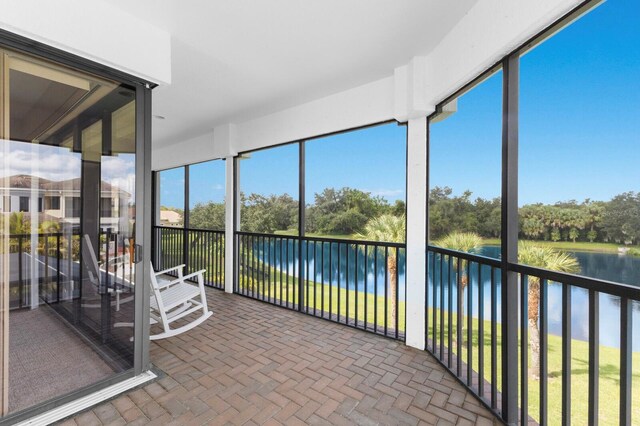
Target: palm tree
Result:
[388, 228]
[461, 241]
[19, 224]
[546, 258]
[464, 242]
[48, 227]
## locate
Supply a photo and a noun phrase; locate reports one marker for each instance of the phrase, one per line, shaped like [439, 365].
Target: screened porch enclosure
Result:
[530, 296]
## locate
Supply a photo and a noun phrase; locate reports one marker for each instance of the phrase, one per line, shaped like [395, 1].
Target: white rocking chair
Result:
[176, 299]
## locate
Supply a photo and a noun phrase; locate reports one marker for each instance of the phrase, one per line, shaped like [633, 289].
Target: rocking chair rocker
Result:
[173, 300]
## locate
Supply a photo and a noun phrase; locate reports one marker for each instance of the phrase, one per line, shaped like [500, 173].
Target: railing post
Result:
[626, 345]
[416, 232]
[509, 281]
[155, 216]
[58, 267]
[230, 215]
[566, 354]
[185, 229]
[594, 356]
[20, 274]
[301, 222]
[107, 259]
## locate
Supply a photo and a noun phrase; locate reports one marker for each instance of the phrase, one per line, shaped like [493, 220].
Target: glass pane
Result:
[269, 190]
[580, 144]
[465, 142]
[206, 195]
[68, 179]
[342, 194]
[172, 197]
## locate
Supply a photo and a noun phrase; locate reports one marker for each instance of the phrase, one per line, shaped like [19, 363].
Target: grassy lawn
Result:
[583, 246]
[609, 393]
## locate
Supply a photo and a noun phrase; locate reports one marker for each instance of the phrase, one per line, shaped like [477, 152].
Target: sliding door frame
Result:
[4, 271]
[142, 250]
[143, 213]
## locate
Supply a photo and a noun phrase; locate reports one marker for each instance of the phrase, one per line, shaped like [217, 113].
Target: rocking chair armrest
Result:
[115, 259]
[195, 274]
[179, 280]
[169, 270]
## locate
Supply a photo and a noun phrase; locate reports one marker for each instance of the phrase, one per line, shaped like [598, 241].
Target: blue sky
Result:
[579, 117]
[371, 159]
[579, 131]
[172, 187]
[207, 183]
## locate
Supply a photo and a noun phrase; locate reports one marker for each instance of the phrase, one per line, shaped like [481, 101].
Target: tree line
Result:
[616, 220]
[346, 211]
[342, 211]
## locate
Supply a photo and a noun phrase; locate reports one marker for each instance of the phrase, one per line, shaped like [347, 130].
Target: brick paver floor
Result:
[253, 363]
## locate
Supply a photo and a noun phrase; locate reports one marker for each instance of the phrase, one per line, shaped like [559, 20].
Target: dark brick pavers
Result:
[253, 363]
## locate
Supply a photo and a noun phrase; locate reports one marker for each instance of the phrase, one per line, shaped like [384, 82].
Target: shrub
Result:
[634, 252]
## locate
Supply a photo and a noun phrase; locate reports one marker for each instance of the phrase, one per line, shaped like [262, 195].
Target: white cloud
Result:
[114, 167]
[120, 172]
[126, 183]
[55, 163]
[39, 160]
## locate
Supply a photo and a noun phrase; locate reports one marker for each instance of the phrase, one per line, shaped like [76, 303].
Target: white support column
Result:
[416, 231]
[229, 238]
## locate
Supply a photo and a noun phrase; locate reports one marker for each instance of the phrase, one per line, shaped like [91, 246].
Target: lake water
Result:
[338, 262]
[611, 267]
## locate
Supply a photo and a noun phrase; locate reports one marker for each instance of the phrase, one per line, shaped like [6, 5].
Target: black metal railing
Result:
[358, 283]
[169, 248]
[450, 311]
[43, 260]
[463, 331]
[195, 248]
[51, 261]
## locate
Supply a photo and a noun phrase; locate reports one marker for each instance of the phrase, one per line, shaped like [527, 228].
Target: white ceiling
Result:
[233, 60]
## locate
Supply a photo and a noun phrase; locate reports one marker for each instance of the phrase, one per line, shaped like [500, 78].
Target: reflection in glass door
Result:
[67, 223]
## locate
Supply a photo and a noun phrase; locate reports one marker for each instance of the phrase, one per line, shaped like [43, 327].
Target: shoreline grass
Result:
[582, 246]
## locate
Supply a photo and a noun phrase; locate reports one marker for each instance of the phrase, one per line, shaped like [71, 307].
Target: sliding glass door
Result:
[67, 230]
